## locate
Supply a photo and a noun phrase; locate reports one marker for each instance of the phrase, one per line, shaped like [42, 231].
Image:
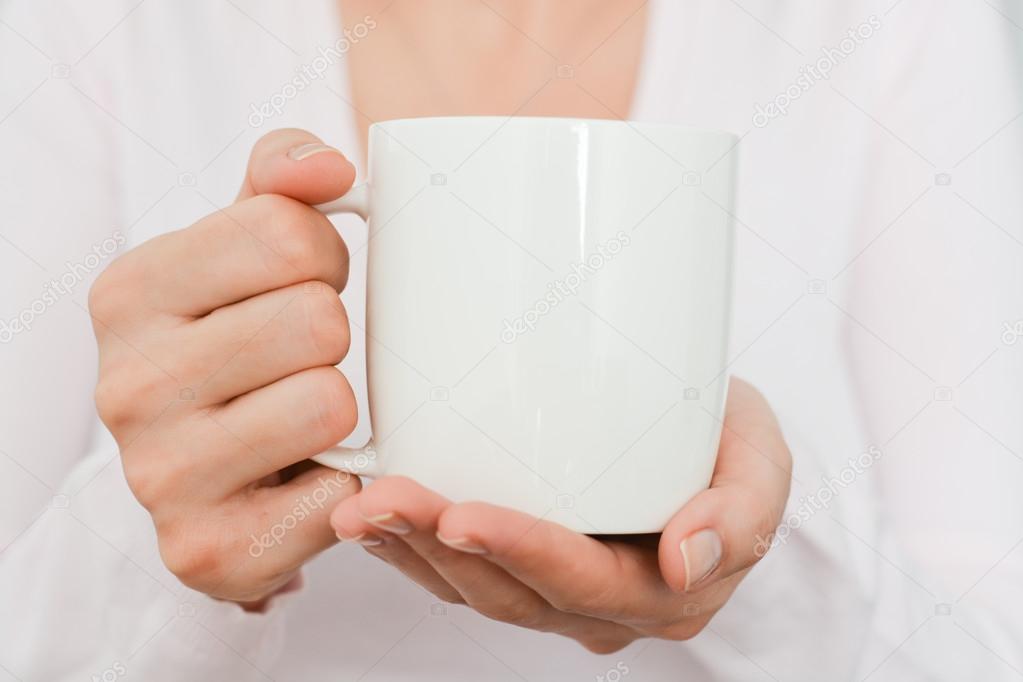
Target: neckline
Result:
[638, 107]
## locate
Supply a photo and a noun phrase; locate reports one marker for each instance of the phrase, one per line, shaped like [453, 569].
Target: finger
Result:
[406, 519]
[286, 526]
[261, 244]
[281, 424]
[403, 507]
[250, 344]
[231, 448]
[269, 239]
[575, 573]
[722, 530]
[231, 351]
[350, 526]
[310, 498]
[265, 242]
[299, 165]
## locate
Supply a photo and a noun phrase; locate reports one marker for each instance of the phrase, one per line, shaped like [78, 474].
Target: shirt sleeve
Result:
[81, 582]
[58, 231]
[941, 369]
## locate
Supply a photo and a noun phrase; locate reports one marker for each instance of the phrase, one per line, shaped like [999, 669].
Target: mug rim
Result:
[564, 120]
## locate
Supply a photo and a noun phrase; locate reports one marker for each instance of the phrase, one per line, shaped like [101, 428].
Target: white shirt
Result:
[878, 307]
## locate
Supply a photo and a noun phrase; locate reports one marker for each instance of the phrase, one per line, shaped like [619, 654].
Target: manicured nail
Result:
[368, 540]
[364, 539]
[306, 150]
[463, 544]
[701, 554]
[391, 522]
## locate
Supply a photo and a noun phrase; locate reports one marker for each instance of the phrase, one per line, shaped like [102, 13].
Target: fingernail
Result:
[368, 540]
[306, 150]
[391, 522]
[701, 554]
[364, 539]
[463, 544]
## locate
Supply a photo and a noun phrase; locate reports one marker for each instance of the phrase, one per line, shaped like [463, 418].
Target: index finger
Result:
[270, 238]
[259, 245]
[574, 572]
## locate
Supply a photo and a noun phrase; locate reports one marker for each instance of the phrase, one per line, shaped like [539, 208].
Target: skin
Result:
[507, 566]
[498, 57]
[217, 346]
[606, 592]
[218, 343]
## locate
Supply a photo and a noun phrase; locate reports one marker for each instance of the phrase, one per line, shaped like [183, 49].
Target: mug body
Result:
[548, 311]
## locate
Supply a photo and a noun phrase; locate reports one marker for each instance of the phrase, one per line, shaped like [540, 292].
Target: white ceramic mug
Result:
[547, 314]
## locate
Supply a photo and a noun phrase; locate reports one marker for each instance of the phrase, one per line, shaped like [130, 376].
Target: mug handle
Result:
[359, 461]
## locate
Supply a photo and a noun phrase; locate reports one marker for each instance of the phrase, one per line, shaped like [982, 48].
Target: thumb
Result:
[299, 165]
[726, 529]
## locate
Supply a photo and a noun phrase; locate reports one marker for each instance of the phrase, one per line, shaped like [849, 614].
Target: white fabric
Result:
[880, 256]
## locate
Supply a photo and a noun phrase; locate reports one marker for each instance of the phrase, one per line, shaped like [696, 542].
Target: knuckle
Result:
[342, 261]
[326, 321]
[193, 557]
[123, 394]
[114, 408]
[108, 293]
[295, 231]
[334, 405]
[151, 484]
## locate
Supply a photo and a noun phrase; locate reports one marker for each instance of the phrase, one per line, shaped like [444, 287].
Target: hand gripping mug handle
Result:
[360, 461]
